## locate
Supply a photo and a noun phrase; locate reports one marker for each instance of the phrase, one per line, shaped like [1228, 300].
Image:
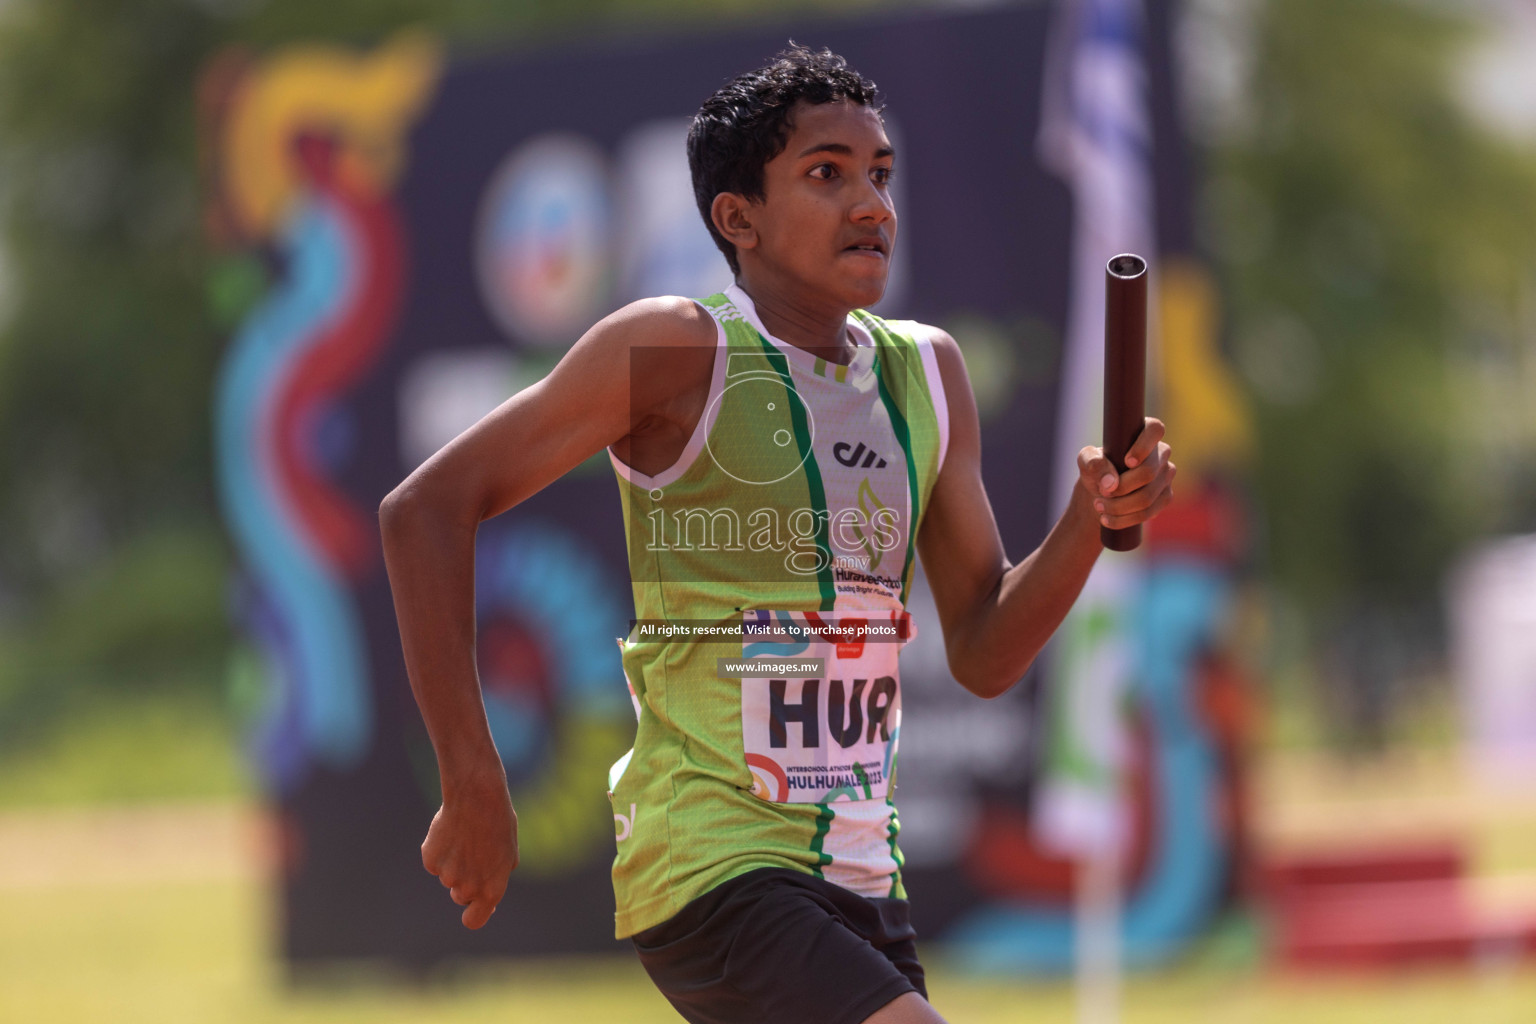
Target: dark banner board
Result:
[434, 233]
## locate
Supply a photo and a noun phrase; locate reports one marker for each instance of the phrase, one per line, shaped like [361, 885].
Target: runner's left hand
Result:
[1142, 491]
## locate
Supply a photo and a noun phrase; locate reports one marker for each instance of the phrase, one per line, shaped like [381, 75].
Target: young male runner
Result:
[781, 455]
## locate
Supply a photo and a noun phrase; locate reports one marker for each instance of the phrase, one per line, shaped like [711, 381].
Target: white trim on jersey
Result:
[701, 429]
[923, 335]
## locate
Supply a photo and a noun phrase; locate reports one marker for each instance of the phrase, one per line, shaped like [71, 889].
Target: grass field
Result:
[194, 951]
[159, 913]
[132, 888]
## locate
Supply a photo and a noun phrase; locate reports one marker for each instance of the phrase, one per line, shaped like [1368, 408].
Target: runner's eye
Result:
[882, 175]
[823, 172]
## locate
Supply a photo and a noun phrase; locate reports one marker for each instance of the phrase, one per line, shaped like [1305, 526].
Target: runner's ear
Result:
[732, 216]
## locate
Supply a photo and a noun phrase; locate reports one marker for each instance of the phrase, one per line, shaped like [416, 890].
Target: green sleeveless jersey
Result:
[770, 567]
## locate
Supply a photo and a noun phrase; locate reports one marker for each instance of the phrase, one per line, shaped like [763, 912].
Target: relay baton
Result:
[1125, 372]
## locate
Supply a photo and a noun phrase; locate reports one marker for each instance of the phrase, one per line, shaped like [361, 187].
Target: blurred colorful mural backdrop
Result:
[439, 230]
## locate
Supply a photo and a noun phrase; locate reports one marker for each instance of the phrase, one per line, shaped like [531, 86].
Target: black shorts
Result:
[775, 946]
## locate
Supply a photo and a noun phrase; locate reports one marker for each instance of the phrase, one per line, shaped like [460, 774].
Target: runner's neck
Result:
[822, 333]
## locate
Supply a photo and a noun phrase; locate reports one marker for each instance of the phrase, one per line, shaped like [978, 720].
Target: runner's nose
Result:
[873, 206]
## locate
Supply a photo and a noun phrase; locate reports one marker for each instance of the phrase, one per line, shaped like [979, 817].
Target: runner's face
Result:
[826, 219]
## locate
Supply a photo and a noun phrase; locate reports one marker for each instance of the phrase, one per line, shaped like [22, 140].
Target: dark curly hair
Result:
[746, 123]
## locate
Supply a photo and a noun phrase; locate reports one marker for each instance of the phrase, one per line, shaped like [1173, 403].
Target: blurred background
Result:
[1340, 196]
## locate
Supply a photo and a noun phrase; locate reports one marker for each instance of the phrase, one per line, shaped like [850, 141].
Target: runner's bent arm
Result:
[997, 616]
[428, 524]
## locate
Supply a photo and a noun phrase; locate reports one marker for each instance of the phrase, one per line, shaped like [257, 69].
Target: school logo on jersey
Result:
[769, 782]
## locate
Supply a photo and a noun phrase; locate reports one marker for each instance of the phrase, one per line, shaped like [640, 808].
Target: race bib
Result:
[814, 737]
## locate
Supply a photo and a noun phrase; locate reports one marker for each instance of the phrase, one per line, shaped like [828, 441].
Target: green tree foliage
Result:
[1367, 225]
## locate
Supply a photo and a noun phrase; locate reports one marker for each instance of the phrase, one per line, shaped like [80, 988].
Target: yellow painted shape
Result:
[367, 102]
[1207, 415]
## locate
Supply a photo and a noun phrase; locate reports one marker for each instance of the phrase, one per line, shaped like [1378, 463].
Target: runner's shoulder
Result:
[663, 321]
[659, 350]
[945, 349]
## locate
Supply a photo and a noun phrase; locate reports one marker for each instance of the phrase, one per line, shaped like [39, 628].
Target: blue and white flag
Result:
[1096, 133]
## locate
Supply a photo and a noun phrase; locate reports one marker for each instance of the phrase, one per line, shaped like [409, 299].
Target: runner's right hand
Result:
[472, 847]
